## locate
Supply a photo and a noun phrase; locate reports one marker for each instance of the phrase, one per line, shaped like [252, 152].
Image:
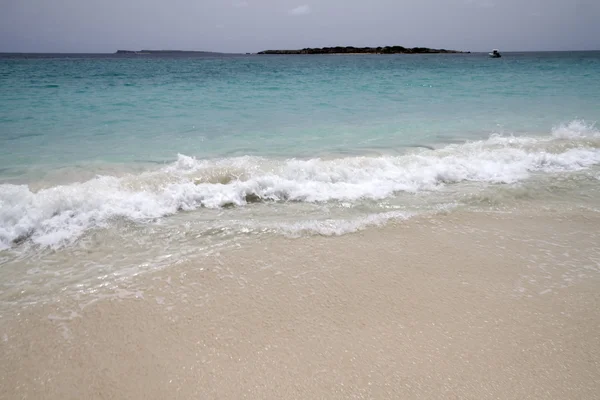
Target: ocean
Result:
[115, 166]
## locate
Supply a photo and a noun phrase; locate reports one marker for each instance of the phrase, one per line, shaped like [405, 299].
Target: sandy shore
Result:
[470, 306]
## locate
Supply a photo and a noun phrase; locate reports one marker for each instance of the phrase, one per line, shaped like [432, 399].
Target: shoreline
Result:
[467, 305]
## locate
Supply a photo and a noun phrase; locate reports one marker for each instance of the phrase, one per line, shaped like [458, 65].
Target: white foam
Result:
[332, 227]
[575, 129]
[59, 215]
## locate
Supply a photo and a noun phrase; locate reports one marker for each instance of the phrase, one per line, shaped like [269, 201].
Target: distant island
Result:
[163, 52]
[308, 50]
[364, 50]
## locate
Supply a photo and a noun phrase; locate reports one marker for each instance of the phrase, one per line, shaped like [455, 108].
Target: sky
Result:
[100, 26]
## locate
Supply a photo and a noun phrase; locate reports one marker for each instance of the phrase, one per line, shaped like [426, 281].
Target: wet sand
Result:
[466, 305]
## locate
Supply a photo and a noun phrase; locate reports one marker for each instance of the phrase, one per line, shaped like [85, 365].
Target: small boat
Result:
[495, 54]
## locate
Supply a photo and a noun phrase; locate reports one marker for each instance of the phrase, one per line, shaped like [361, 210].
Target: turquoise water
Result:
[73, 111]
[108, 163]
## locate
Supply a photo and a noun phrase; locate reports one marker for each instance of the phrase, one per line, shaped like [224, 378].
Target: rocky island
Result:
[364, 50]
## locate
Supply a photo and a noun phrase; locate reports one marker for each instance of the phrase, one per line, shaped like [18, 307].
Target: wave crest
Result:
[61, 214]
[575, 129]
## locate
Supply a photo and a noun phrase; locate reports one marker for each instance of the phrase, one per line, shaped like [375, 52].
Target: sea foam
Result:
[59, 215]
[575, 129]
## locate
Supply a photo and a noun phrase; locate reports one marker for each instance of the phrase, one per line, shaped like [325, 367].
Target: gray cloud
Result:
[480, 3]
[254, 25]
[300, 10]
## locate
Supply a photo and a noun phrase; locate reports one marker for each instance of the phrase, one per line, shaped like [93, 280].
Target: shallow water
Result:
[112, 166]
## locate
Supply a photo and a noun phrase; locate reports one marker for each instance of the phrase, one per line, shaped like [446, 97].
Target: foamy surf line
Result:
[59, 215]
[323, 227]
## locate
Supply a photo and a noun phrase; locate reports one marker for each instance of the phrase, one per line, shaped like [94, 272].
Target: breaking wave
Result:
[61, 214]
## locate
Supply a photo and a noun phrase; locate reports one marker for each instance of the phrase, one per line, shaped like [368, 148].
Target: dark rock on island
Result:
[364, 50]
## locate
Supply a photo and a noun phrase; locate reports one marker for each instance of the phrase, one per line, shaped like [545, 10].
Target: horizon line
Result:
[255, 52]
